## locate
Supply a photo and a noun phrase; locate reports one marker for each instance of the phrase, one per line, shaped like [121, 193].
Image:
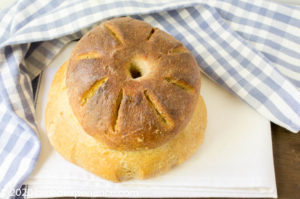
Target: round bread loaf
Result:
[132, 86]
[126, 104]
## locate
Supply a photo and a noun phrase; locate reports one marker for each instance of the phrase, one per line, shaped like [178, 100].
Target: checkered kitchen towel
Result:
[252, 48]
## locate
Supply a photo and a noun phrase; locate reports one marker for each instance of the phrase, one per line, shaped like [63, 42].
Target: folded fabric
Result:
[248, 47]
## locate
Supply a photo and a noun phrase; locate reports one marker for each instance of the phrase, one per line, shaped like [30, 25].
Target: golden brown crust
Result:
[109, 99]
[75, 145]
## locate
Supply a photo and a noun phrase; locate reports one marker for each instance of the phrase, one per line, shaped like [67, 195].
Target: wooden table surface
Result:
[286, 150]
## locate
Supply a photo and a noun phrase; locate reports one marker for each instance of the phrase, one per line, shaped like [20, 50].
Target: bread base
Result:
[70, 140]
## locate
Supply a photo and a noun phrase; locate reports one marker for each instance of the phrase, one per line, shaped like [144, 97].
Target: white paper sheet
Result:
[235, 160]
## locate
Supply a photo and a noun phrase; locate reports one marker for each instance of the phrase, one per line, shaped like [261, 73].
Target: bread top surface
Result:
[130, 85]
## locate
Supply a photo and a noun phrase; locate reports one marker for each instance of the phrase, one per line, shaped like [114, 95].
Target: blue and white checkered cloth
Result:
[252, 48]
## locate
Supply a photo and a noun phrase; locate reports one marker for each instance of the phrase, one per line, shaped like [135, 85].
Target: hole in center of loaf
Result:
[135, 72]
[138, 68]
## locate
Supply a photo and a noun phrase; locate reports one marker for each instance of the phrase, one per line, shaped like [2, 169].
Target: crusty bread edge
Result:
[70, 140]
